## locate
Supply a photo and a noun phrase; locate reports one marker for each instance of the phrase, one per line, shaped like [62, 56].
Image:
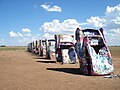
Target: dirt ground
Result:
[20, 70]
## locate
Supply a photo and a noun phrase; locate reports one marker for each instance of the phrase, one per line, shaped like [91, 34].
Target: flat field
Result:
[21, 70]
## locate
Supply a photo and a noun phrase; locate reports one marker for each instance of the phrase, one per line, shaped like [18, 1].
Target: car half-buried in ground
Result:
[93, 53]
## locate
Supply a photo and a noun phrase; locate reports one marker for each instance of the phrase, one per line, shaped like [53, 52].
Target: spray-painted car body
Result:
[95, 56]
[36, 50]
[40, 48]
[43, 48]
[29, 47]
[62, 45]
[51, 49]
[33, 47]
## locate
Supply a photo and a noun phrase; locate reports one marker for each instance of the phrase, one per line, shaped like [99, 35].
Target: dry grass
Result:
[13, 48]
[115, 51]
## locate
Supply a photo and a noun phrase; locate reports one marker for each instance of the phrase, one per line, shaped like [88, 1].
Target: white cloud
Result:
[51, 9]
[67, 26]
[96, 21]
[48, 36]
[27, 34]
[56, 27]
[23, 38]
[113, 37]
[34, 38]
[112, 15]
[116, 31]
[111, 10]
[26, 30]
[26, 39]
[70, 25]
[13, 34]
[55, 8]
[53, 26]
[19, 34]
[110, 22]
[46, 7]
[116, 20]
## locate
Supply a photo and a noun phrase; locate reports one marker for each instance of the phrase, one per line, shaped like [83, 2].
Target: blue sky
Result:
[23, 21]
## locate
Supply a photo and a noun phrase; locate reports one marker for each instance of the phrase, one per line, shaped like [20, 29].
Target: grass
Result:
[13, 48]
[115, 51]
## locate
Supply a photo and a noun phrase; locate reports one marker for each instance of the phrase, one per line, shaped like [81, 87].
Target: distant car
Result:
[36, 50]
[43, 48]
[29, 47]
[93, 53]
[51, 49]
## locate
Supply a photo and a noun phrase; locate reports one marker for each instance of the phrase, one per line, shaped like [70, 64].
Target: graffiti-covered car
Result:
[33, 47]
[93, 53]
[36, 47]
[43, 48]
[63, 42]
[29, 47]
[51, 49]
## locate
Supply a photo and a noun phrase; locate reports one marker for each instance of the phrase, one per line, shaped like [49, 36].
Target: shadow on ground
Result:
[41, 58]
[75, 71]
[46, 61]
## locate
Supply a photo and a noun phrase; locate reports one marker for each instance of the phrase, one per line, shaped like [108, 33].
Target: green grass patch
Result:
[13, 48]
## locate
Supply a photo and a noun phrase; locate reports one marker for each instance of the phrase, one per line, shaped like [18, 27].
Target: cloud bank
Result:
[56, 26]
[110, 22]
[24, 37]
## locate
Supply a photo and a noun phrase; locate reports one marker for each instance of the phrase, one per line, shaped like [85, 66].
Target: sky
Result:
[24, 21]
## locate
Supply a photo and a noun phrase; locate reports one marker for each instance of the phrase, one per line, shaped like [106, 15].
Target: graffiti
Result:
[94, 53]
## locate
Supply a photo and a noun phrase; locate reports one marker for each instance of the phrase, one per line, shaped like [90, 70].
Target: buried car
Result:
[93, 53]
[43, 49]
[29, 47]
[63, 43]
[51, 49]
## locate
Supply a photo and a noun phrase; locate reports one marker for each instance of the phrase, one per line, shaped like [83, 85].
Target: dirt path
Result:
[19, 70]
